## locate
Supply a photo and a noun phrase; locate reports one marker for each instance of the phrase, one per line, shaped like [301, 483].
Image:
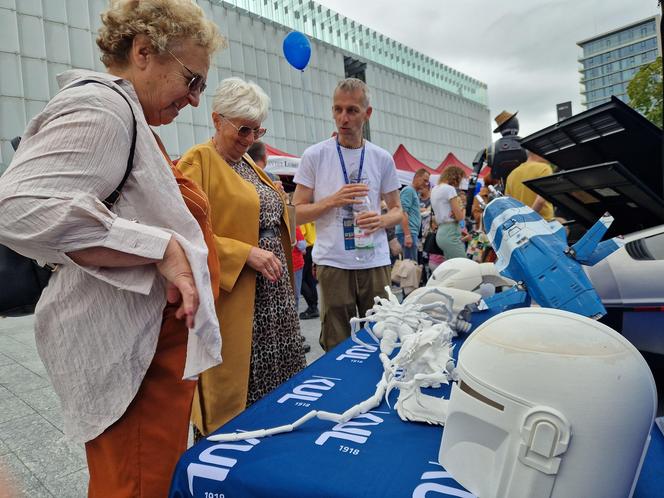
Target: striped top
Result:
[97, 328]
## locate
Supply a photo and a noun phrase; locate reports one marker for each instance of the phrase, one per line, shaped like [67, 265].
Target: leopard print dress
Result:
[276, 347]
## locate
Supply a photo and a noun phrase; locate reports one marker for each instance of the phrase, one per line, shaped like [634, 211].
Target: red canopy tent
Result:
[405, 161]
[273, 151]
[452, 160]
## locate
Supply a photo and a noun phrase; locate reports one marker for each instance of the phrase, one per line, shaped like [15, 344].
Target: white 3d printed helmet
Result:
[548, 404]
[466, 274]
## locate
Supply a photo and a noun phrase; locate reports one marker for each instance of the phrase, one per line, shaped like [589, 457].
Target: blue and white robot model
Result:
[535, 254]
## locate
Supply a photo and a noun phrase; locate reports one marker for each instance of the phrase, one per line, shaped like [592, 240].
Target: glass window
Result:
[649, 248]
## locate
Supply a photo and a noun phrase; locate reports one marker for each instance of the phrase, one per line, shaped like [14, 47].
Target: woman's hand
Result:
[181, 287]
[266, 263]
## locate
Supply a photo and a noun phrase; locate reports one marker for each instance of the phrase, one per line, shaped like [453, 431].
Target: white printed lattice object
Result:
[424, 336]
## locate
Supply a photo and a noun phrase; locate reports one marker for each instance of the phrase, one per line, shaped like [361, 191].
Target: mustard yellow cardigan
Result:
[234, 210]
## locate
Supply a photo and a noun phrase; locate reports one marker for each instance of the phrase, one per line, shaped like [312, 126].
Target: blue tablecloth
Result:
[373, 455]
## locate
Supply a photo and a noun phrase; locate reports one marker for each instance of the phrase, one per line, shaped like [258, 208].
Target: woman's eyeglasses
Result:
[197, 82]
[245, 131]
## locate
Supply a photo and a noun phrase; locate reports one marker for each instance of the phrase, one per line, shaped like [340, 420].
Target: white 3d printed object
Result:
[466, 274]
[548, 404]
[424, 337]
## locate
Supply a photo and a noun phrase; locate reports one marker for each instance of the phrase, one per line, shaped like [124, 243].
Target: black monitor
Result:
[587, 193]
[609, 132]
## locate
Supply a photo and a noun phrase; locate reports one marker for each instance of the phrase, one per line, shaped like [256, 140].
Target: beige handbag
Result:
[395, 275]
[406, 273]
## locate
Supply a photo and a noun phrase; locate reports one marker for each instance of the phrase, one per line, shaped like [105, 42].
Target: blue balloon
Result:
[297, 50]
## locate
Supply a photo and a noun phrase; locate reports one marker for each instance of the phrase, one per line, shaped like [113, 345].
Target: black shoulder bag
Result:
[430, 245]
[22, 280]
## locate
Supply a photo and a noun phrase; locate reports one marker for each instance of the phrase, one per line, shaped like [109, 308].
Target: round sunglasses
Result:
[245, 131]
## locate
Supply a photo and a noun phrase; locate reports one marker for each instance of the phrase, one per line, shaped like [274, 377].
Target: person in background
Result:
[130, 309]
[256, 306]
[435, 260]
[463, 199]
[393, 243]
[425, 203]
[425, 227]
[333, 175]
[479, 248]
[309, 282]
[408, 230]
[535, 167]
[448, 212]
[477, 210]
[299, 249]
[258, 153]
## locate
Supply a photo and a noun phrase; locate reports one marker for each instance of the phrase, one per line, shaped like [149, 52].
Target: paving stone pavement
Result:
[36, 461]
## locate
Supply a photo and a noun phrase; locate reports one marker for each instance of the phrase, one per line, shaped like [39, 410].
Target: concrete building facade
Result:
[429, 107]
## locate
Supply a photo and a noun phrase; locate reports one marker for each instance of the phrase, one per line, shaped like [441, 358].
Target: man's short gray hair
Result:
[236, 98]
[257, 151]
[350, 85]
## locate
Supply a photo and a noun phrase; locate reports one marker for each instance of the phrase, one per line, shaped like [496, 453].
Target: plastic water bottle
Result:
[364, 243]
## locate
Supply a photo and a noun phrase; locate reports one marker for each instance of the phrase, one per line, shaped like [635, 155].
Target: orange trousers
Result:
[136, 456]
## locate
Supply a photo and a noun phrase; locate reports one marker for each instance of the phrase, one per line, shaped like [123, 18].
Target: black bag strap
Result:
[110, 201]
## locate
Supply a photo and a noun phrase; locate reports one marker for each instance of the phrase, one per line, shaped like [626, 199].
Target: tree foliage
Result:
[645, 91]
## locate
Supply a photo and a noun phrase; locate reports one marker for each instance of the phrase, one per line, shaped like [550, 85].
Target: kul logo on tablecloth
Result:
[358, 353]
[215, 466]
[349, 431]
[428, 484]
[309, 390]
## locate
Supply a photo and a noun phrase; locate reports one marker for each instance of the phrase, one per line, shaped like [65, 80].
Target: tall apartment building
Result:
[428, 106]
[611, 60]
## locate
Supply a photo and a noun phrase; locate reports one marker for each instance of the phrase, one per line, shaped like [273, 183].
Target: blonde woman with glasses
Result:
[449, 211]
[256, 308]
[130, 310]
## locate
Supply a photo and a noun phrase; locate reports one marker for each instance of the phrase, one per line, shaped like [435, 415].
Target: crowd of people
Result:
[433, 224]
[434, 228]
[179, 301]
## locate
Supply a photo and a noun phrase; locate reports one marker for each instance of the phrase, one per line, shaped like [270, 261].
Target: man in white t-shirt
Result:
[340, 183]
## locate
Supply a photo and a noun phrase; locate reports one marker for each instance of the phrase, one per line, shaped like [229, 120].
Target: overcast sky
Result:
[524, 50]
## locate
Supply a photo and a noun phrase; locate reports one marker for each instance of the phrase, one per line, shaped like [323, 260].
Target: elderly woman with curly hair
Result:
[256, 306]
[129, 314]
[448, 212]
